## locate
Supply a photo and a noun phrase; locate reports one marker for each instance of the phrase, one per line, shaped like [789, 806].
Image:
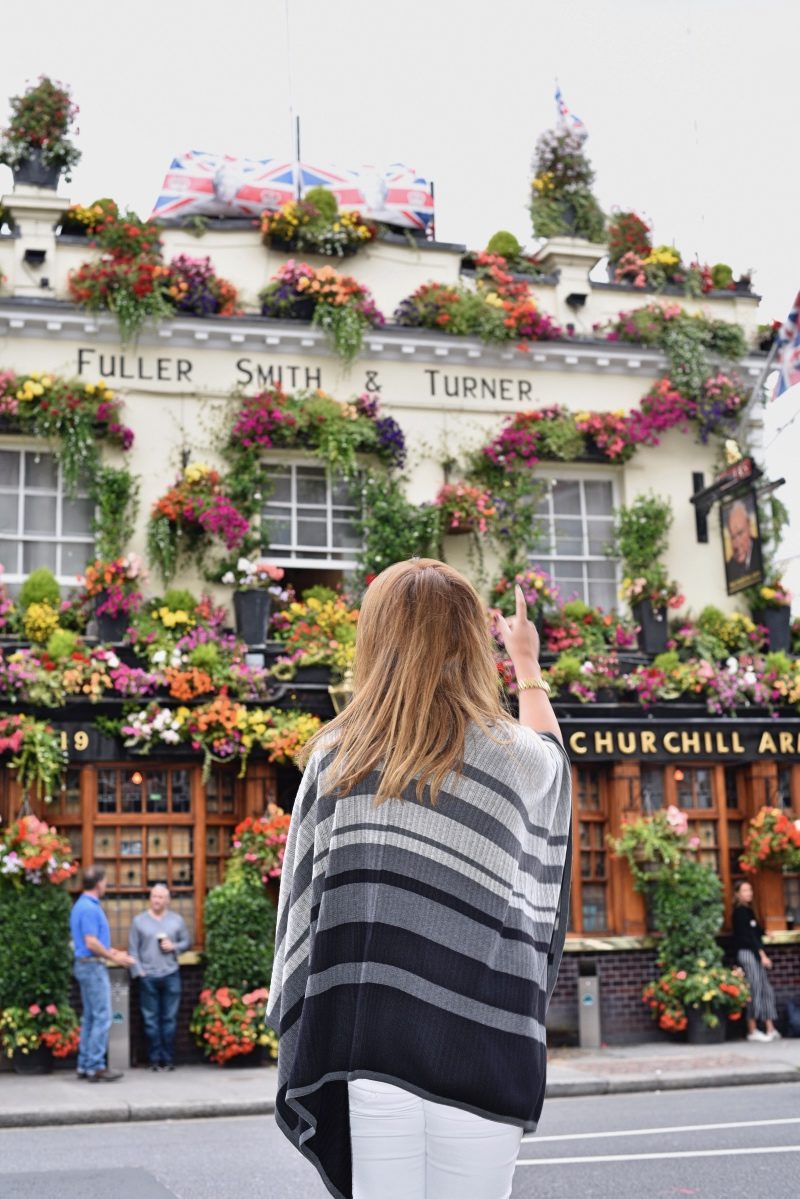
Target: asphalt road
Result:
[739, 1143]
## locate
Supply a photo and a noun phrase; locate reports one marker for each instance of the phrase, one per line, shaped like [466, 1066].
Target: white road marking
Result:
[652, 1157]
[648, 1132]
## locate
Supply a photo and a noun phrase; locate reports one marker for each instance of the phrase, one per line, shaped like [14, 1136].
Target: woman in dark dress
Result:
[752, 957]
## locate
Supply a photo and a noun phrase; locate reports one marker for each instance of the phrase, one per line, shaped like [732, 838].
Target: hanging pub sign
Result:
[741, 541]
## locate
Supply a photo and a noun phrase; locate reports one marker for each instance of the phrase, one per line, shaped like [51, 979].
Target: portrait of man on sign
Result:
[741, 541]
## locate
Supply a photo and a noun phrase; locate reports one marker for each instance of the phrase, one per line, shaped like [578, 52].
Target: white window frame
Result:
[569, 475]
[23, 446]
[322, 557]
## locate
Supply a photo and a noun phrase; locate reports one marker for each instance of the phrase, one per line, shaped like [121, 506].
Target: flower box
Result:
[37, 1061]
[300, 310]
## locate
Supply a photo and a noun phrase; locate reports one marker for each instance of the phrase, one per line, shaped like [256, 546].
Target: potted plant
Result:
[771, 841]
[628, 234]
[32, 1036]
[229, 1026]
[653, 846]
[464, 508]
[189, 516]
[562, 202]
[35, 143]
[698, 1000]
[256, 588]
[315, 225]
[640, 539]
[114, 589]
[770, 604]
[193, 286]
[319, 636]
[35, 953]
[337, 304]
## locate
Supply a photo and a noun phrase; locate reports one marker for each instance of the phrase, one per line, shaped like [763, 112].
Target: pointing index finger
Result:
[522, 607]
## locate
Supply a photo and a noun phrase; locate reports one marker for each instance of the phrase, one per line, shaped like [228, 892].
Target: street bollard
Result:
[119, 1037]
[588, 1005]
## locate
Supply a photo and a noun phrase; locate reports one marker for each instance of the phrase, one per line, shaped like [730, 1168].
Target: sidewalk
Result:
[202, 1091]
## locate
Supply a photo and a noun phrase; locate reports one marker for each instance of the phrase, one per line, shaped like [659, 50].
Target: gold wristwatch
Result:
[533, 684]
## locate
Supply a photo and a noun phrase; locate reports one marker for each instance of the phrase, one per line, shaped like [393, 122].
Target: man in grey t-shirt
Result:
[155, 939]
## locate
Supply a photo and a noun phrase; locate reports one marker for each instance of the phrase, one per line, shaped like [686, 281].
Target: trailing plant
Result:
[115, 491]
[73, 417]
[41, 120]
[390, 527]
[185, 521]
[653, 846]
[640, 539]
[38, 758]
[342, 307]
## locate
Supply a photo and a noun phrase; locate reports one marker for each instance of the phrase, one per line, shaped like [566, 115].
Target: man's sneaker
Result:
[155, 1067]
[169, 1066]
[81, 1075]
[105, 1076]
[758, 1035]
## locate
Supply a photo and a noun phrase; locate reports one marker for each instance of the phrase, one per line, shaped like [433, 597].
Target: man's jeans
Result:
[159, 999]
[92, 976]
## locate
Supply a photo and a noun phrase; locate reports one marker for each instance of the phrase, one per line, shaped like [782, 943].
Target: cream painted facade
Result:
[448, 394]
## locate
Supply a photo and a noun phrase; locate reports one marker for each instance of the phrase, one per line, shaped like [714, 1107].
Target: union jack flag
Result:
[787, 351]
[569, 118]
[203, 184]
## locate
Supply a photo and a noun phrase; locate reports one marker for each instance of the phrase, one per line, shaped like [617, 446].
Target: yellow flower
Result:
[493, 299]
[707, 996]
[89, 389]
[768, 593]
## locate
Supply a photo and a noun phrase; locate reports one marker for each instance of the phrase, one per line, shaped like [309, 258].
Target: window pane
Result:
[106, 790]
[280, 482]
[39, 514]
[599, 534]
[312, 487]
[594, 908]
[156, 787]
[652, 782]
[181, 796]
[341, 494]
[569, 537]
[567, 497]
[344, 534]
[599, 497]
[38, 553]
[278, 527]
[9, 468]
[41, 471]
[76, 516]
[74, 557]
[9, 513]
[311, 532]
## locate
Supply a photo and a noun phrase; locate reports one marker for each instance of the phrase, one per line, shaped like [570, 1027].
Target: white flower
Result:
[228, 577]
[732, 665]
[170, 736]
[749, 678]
[244, 566]
[112, 660]
[159, 657]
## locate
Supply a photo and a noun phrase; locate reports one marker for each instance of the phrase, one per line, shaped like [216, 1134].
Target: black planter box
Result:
[252, 610]
[778, 623]
[653, 630]
[699, 1033]
[301, 310]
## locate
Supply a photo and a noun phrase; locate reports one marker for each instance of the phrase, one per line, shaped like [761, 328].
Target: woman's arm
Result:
[522, 643]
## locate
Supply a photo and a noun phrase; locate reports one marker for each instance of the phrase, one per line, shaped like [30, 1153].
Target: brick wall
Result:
[622, 976]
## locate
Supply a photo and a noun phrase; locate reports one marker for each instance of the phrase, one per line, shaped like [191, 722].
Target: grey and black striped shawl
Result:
[420, 945]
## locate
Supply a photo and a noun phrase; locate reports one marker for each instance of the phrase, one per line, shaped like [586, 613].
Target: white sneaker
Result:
[774, 1035]
[758, 1035]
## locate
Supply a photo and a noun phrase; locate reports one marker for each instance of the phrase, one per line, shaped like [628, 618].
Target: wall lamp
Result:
[34, 257]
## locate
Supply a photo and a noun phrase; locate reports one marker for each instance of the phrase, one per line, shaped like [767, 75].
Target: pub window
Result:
[39, 524]
[590, 864]
[220, 823]
[574, 525]
[735, 820]
[309, 517]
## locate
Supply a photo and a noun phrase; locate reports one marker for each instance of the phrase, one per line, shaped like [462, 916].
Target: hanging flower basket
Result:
[35, 172]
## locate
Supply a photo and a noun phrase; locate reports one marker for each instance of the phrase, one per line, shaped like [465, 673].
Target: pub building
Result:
[151, 817]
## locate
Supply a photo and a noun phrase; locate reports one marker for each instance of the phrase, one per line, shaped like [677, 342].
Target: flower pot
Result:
[777, 622]
[256, 1057]
[33, 171]
[110, 628]
[466, 526]
[652, 636]
[280, 245]
[698, 1032]
[38, 1061]
[569, 217]
[252, 609]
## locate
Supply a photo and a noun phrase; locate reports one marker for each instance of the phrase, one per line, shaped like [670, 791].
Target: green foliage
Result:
[344, 325]
[240, 922]
[61, 644]
[721, 275]
[505, 244]
[40, 587]
[687, 911]
[641, 534]
[653, 847]
[566, 669]
[323, 199]
[391, 528]
[206, 657]
[561, 439]
[35, 953]
[178, 600]
[115, 492]
[562, 203]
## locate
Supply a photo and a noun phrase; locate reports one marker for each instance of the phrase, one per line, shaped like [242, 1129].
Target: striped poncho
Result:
[419, 944]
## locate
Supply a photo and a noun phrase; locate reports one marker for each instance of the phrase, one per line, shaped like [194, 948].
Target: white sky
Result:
[690, 105]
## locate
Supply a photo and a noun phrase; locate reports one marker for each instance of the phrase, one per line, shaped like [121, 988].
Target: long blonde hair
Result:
[424, 669]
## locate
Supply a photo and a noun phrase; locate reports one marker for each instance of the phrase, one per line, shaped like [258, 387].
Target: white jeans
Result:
[406, 1147]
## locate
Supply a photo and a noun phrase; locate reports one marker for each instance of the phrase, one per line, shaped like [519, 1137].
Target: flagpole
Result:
[758, 386]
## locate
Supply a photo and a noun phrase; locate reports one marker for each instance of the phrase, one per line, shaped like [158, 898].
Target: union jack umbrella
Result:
[200, 184]
[787, 351]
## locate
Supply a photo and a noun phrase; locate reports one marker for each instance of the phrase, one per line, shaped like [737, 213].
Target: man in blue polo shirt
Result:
[91, 940]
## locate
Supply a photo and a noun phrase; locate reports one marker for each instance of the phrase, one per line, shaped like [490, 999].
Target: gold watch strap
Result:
[533, 684]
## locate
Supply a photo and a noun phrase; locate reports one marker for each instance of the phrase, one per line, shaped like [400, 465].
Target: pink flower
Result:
[694, 842]
[34, 1009]
[677, 820]
[51, 1009]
